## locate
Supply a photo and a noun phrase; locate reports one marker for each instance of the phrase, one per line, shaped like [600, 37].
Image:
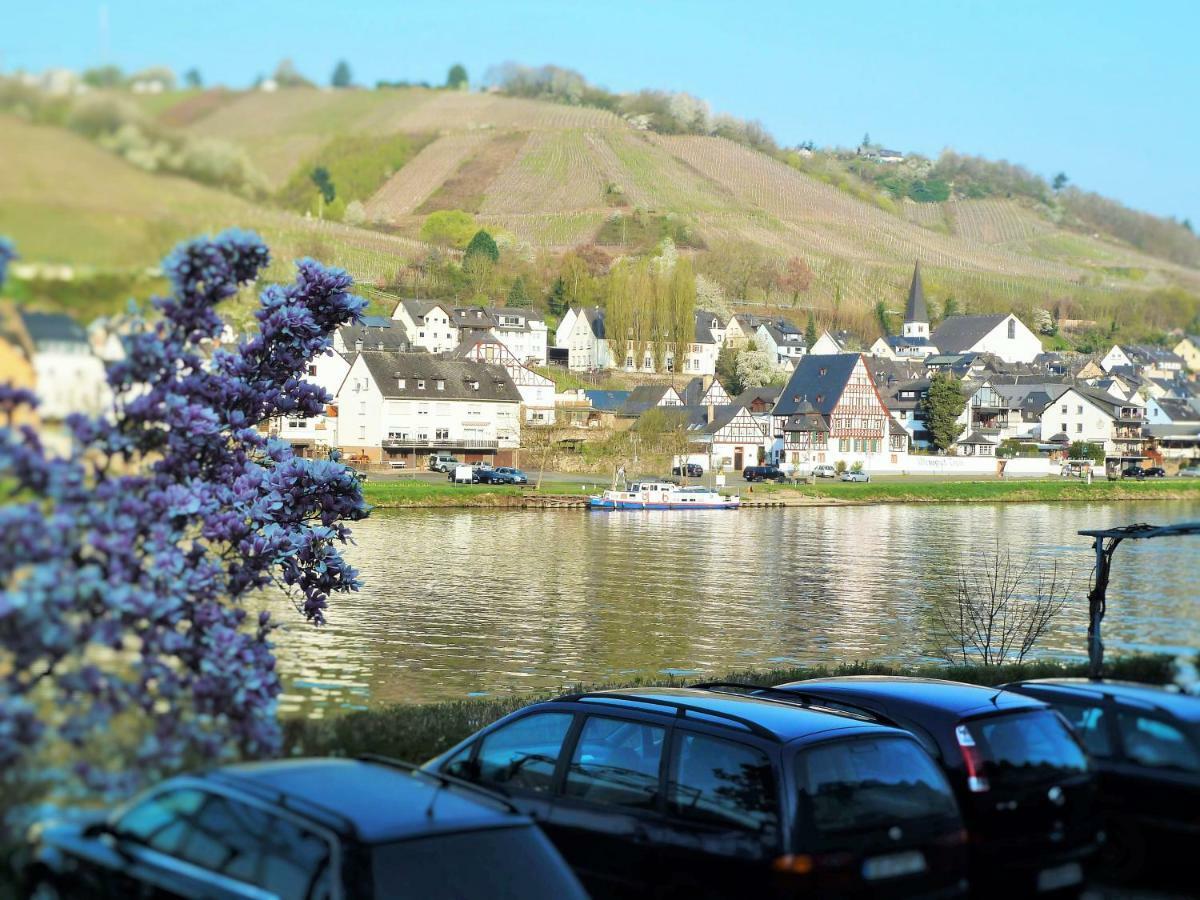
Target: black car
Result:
[1154, 472]
[1145, 744]
[764, 473]
[306, 828]
[679, 792]
[691, 470]
[1133, 472]
[1024, 782]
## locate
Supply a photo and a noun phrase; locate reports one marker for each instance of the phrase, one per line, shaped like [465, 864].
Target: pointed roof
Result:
[914, 310]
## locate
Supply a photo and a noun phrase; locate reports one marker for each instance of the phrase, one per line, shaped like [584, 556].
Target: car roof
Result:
[767, 718]
[1183, 706]
[346, 795]
[951, 700]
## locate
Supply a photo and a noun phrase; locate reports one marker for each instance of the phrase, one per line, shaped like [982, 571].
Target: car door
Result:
[518, 758]
[610, 802]
[723, 824]
[1158, 765]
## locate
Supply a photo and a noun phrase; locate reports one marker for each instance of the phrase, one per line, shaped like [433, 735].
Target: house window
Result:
[1064, 428]
[401, 383]
[1078, 427]
[312, 370]
[629, 362]
[1064, 409]
[422, 409]
[647, 363]
[362, 408]
[1079, 409]
[441, 385]
[362, 432]
[442, 434]
[843, 444]
[1012, 329]
[295, 423]
[421, 384]
[421, 334]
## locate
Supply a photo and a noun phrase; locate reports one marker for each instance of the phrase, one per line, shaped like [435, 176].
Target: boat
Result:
[663, 495]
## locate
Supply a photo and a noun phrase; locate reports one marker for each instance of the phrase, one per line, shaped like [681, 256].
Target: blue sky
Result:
[1108, 92]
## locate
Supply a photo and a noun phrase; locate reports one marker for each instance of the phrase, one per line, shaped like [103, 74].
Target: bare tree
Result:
[999, 610]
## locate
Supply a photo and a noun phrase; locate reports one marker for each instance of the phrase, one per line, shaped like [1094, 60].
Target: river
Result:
[460, 603]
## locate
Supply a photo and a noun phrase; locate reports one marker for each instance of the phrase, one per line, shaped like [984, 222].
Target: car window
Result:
[1091, 724]
[616, 762]
[524, 753]
[1027, 746]
[236, 839]
[1153, 742]
[722, 783]
[860, 785]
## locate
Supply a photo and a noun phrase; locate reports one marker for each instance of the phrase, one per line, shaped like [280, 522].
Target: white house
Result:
[70, 377]
[828, 344]
[404, 406]
[522, 332]
[741, 329]
[1086, 414]
[1115, 358]
[428, 324]
[1003, 335]
[581, 332]
[537, 391]
[781, 340]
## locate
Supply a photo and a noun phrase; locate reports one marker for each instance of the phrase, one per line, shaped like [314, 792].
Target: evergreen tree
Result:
[193, 79]
[517, 297]
[320, 177]
[883, 317]
[810, 332]
[341, 77]
[941, 408]
[1060, 181]
[482, 244]
[556, 300]
[456, 78]
[950, 308]
[727, 369]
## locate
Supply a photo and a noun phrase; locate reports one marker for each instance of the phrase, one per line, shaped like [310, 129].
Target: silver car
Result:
[855, 476]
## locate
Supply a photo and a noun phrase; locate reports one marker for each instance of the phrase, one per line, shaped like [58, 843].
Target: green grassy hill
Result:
[556, 177]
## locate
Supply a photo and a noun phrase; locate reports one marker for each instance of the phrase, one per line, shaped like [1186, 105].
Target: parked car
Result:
[702, 793]
[463, 474]
[1154, 472]
[691, 470]
[1189, 472]
[1145, 744]
[1133, 472]
[824, 470]
[855, 476]
[764, 473]
[301, 828]
[502, 475]
[443, 462]
[1023, 781]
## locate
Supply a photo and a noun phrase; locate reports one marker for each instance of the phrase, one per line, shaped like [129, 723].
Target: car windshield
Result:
[862, 785]
[503, 863]
[1027, 746]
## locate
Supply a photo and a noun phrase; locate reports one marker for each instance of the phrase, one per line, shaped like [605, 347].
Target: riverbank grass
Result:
[417, 732]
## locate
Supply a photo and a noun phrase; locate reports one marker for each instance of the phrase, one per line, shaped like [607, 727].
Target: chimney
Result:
[358, 345]
[712, 414]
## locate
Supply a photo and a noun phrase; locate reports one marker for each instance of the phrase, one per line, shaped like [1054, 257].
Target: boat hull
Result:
[602, 503]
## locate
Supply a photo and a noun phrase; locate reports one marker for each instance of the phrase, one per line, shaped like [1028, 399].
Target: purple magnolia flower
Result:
[168, 513]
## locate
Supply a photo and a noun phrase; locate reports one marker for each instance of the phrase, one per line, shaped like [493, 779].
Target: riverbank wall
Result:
[417, 732]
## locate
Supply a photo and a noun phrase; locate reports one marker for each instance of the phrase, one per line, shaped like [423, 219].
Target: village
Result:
[475, 384]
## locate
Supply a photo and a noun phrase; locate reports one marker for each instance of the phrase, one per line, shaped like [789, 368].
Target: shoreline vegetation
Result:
[413, 494]
[417, 732]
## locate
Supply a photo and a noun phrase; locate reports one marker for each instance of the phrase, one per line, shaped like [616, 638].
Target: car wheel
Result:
[1124, 851]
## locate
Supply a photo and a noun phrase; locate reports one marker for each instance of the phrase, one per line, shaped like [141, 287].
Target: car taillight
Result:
[972, 759]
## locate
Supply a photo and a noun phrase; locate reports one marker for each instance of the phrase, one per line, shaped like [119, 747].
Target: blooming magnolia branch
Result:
[148, 538]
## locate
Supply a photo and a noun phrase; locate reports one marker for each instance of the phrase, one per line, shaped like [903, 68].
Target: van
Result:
[824, 470]
[442, 462]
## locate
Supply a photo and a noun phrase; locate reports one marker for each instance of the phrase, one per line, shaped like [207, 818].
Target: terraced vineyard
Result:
[424, 174]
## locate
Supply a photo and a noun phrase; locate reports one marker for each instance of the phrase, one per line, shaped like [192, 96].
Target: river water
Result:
[460, 603]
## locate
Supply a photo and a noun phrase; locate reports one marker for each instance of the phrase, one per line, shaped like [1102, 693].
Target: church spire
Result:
[915, 310]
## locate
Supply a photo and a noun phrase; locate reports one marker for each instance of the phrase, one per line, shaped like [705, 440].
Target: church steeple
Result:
[916, 315]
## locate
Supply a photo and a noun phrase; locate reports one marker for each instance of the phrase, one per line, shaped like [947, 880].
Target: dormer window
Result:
[822, 372]
[441, 385]
[401, 383]
[474, 385]
[420, 384]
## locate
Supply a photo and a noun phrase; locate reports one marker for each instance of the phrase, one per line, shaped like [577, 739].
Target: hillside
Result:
[555, 177]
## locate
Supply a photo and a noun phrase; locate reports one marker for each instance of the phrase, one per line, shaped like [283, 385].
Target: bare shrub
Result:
[999, 610]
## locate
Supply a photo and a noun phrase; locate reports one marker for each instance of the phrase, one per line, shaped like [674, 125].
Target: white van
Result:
[824, 470]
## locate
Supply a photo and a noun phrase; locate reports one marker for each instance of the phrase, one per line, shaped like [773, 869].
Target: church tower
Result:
[916, 316]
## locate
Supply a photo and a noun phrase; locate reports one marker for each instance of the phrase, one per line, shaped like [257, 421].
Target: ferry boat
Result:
[663, 495]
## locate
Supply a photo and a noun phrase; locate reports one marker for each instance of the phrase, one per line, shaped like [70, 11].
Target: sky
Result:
[1107, 92]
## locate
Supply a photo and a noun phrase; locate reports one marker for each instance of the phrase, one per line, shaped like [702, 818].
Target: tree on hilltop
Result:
[1060, 181]
[341, 77]
[456, 78]
[193, 79]
[288, 76]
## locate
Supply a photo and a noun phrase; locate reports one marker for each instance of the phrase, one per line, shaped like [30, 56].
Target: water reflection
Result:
[461, 602]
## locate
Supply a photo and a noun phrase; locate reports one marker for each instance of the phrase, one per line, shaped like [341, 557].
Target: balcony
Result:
[440, 443]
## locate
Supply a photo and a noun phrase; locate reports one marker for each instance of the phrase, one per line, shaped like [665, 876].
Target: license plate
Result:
[1059, 877]
[894, 865]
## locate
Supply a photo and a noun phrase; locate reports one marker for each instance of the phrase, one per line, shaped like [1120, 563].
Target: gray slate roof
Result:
[817, 384]
[457, 376]
[958, 334]
[1178, 410]
[52, 328]
[375, 336]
